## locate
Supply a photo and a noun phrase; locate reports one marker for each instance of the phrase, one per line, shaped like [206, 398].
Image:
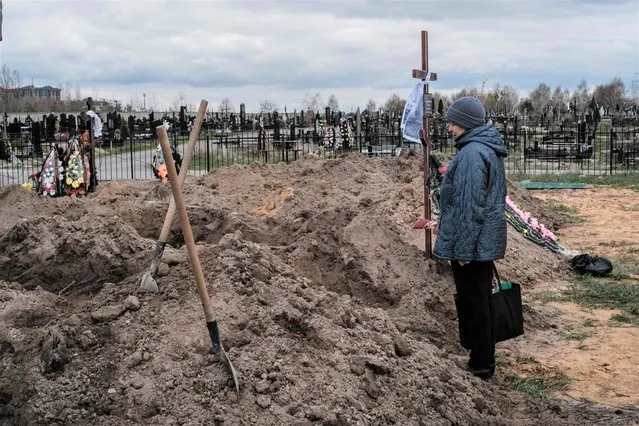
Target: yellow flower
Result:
[75, 184]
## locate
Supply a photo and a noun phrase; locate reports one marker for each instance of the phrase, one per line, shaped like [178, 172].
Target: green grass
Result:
[547, 296]
[589, 323]
[626, 319]
[580, 337]
[537, 387]
[564, 209]
[624, 180]
[526, 360]
[603, 292]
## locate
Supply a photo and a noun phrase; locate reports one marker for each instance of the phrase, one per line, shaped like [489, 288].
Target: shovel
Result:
[211, 322]
[147, 281]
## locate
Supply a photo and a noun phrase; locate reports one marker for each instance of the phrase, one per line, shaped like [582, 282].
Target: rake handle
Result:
[185, 225]
[186, 162]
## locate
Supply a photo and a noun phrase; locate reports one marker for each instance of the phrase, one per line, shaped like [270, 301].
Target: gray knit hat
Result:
[467, 112]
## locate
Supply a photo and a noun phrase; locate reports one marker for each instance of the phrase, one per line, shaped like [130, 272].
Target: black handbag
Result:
[507, 313]
[508, 316]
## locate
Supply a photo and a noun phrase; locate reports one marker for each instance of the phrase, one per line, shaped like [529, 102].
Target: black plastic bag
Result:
[587, 264]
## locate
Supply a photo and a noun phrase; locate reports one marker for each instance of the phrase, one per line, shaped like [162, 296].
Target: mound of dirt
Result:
[330, 312]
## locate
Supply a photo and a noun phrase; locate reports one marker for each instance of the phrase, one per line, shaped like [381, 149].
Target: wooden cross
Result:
[422, 74]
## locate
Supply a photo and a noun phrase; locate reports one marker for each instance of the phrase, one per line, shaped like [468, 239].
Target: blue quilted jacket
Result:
[472, 223]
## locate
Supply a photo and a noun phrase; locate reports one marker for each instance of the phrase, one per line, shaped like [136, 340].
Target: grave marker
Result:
[422, 74]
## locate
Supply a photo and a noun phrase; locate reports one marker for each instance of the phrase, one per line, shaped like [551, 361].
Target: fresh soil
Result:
[329, 310]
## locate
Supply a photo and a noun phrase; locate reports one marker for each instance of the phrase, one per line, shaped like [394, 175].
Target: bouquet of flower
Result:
[530, 227]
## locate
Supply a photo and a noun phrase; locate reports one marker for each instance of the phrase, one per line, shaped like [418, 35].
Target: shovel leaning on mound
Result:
[147, 281]
[211, 322]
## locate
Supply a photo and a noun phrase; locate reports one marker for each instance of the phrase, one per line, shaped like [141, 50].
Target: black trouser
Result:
[474, 310]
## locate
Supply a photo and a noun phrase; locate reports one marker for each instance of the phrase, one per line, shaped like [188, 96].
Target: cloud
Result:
[280, 50]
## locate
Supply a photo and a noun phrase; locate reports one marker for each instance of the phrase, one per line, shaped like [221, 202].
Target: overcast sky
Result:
[280, 50]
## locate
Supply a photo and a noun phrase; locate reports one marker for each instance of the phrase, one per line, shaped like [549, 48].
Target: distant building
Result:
[36, 93]
[105, 104]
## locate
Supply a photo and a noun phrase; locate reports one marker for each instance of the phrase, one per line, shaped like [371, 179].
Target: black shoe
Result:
[482, 373]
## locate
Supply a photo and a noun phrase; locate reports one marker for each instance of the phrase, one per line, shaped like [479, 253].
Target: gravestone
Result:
[36, 137]
[276, 126]
[183, 124]
[131, 123]
[71, 122]
[50, 127]
[64, 122]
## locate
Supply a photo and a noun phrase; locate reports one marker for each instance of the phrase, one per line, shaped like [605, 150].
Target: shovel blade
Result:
[147, 281]
[148, 284]
[218, 348]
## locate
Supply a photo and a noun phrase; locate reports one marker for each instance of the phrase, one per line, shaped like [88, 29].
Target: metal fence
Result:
[530, 151]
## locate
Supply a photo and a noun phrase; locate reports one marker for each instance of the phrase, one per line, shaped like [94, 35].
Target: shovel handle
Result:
[186, 162]
[185, 225]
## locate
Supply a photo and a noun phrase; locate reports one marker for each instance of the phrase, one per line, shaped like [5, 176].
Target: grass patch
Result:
[578, 336]
[537, 387]
[526, 360]
[602, 293]
[626, 265]
[564, 209]
[605, 293]
[547, 296]
[624, 180]
[626, 319]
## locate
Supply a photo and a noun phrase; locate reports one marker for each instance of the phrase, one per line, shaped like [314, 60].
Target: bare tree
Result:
[581, 97]
[501, 100]
[371, 106]
[560, 99]
[312, 102]
[268, 106]
[66, 93]
[469, 91]
[394, 104]
[10, 80]
[332, 103]
[611, 94]
[179, 101]
[226, 106]
[540, 98]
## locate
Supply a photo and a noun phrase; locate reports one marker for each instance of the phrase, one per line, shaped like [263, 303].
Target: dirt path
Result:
[599, 356]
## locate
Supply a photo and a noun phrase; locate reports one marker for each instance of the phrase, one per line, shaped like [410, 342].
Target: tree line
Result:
[499, 100]
[505, 100]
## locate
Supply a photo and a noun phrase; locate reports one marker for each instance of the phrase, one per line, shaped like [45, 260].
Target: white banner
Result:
[413, 116]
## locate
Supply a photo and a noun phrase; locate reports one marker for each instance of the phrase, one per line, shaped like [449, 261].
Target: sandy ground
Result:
[326, 305]
[601, 357]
